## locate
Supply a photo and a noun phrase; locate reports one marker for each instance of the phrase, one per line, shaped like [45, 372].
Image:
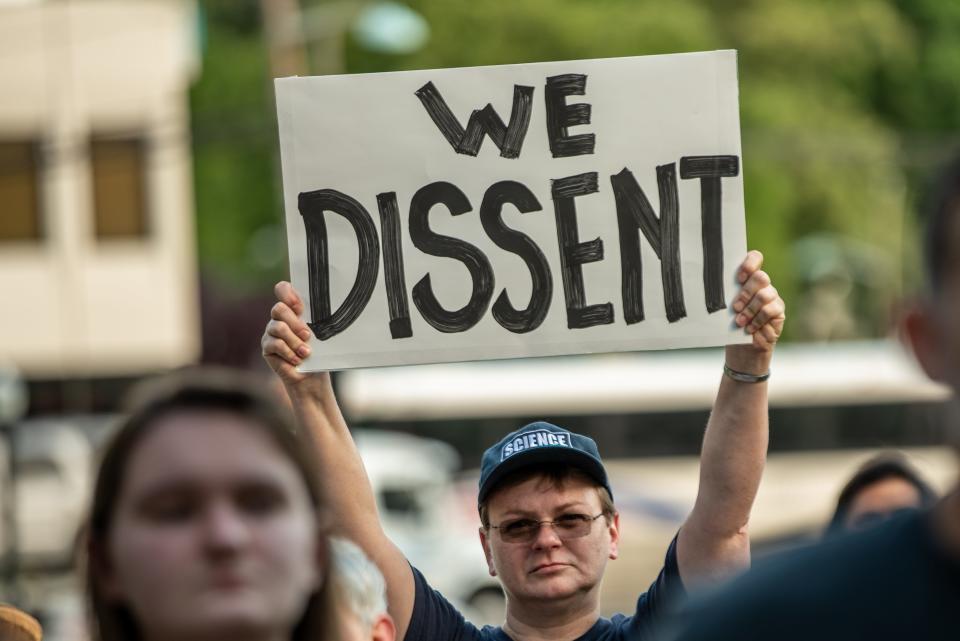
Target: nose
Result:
[546, 537]
[224, 529]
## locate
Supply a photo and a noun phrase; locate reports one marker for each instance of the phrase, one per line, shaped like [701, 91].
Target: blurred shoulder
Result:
[796, 594]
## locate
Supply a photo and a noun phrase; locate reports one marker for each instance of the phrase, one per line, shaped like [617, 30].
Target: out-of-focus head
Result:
[207, 518]
[882, 486]
[932, 325]
[361, 595]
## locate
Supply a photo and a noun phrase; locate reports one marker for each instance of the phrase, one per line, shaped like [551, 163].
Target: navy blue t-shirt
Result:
[435, 619]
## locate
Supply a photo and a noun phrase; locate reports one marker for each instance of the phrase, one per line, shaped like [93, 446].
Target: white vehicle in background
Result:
[433, 521]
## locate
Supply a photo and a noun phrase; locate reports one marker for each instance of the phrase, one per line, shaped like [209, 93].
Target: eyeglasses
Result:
[567, 526]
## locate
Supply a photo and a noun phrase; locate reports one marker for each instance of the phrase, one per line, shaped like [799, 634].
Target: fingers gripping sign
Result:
[284, 343]
[758, 306]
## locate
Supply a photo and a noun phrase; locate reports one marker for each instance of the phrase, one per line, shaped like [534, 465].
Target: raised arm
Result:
[713, 543]
[349, 493]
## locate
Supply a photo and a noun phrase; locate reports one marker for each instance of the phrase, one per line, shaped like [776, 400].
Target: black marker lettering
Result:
[573, 253]
[663, 234]
[560, 115]
[710, 169]
[435, 244]
[312, 205]
[491, 210]
[509, 138]
[393, 266]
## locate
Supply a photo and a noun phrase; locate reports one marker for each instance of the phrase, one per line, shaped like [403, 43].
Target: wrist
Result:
[744, 377]
[315, 387]
[747, 359]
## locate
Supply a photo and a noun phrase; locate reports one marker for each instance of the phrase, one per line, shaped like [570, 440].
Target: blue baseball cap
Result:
[538, 443]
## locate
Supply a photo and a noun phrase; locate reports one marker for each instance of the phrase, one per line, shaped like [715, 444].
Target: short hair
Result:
[360, 585]
[556, 474]
[941, 206]
[887, 465]
[196, 389]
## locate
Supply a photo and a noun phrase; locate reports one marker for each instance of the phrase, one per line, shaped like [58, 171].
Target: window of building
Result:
[119, 188]
[19, 191]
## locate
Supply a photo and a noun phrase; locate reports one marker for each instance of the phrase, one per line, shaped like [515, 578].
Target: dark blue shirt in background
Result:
[894, 582]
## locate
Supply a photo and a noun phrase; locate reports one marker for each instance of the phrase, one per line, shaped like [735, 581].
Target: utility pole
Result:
[283, 29]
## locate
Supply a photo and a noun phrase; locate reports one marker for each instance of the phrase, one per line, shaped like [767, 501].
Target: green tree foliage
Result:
[846, 106]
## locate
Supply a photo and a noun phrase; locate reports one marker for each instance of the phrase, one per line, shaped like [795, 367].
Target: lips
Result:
[547, 568]
[228, 581]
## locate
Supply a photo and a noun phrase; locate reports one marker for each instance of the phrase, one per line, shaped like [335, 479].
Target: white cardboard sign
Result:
[519, 210]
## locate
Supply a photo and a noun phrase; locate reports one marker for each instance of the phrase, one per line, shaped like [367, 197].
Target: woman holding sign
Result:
[549, 521]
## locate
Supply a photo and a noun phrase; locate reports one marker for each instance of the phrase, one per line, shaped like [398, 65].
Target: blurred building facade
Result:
[98, 268]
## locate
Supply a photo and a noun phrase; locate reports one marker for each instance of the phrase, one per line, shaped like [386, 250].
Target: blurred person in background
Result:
[883, 486]
[360, 593]
[548, 520]
[900, 579]
[207, 519]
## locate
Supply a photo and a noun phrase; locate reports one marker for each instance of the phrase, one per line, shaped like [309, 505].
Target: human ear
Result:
[383, 629]
[920, 328]
[614, 529]
[485, 542]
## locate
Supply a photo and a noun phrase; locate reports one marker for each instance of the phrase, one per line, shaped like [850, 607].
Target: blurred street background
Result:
[141, 229]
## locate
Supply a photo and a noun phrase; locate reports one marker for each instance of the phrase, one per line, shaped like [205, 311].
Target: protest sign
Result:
[518, 210]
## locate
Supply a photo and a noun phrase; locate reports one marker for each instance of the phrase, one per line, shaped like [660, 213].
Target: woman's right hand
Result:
[284, 343]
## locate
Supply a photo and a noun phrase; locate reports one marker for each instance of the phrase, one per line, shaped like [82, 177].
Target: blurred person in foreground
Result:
[360, 594]
[549, 524]
[17, 625]
[898, 580]
[207, 519]
[883, 486]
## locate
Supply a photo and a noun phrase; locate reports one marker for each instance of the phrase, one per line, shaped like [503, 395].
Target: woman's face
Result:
[213, 535]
